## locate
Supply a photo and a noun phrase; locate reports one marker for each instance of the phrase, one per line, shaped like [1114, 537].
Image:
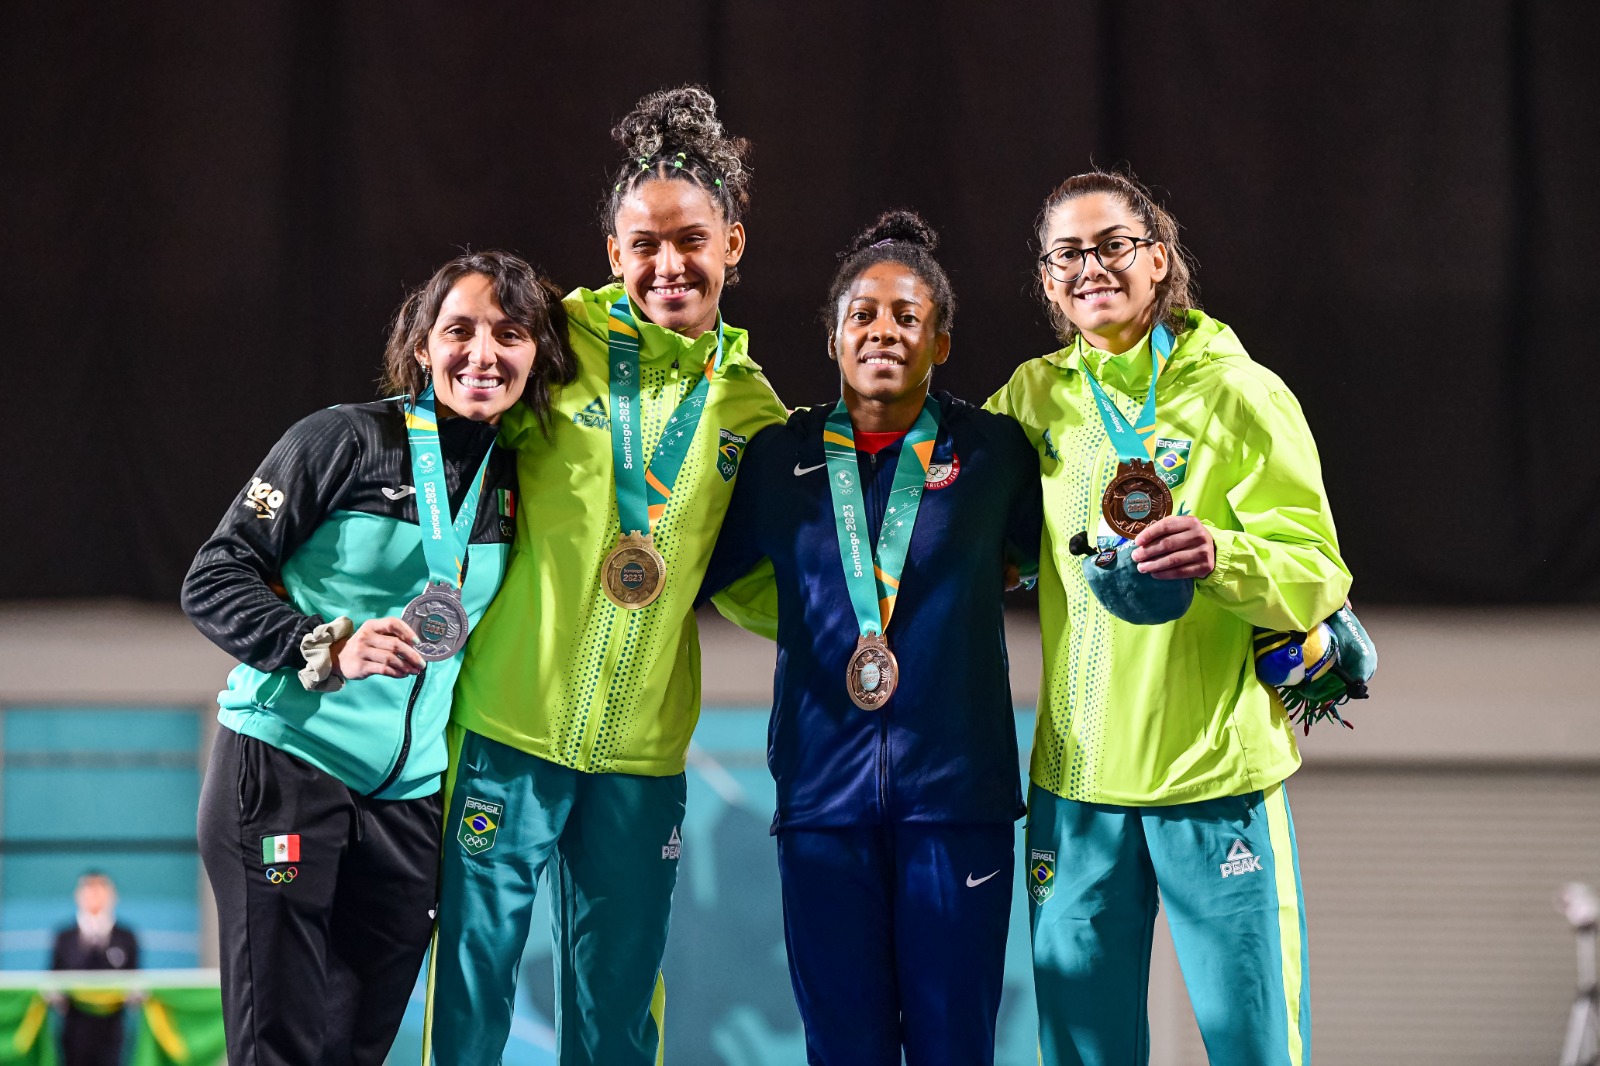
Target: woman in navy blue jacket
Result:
[888, 516]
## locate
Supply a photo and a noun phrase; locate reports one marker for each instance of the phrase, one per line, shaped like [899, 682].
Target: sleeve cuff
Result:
[1222, 540]
[317, 647]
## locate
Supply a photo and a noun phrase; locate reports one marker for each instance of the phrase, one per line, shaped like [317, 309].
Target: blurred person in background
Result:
[345, 578]
[887, 515]
[1158, 758]
[575, 707]
[92, 1023]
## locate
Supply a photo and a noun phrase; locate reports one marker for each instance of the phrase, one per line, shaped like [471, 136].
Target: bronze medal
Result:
[873, 673]
[1136, 498]
[634, 574]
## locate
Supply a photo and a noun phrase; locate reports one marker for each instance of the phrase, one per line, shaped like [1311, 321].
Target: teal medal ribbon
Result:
[872, 572]
[437, 616]
[1138, 440]
[634, 573]
[1137, 495]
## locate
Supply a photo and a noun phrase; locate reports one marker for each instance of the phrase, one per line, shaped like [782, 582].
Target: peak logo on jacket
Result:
[264, 498]
[593, 416]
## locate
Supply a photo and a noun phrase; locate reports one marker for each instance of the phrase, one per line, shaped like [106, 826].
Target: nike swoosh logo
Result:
[400, 493]
[974, 884]
[800, 471]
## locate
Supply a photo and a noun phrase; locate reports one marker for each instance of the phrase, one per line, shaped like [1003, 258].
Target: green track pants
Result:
[614, 839]
[1228, 874]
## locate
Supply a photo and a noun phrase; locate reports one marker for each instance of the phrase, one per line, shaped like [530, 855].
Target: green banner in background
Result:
[180, 1025]
[26, 1036]
[170, 1026]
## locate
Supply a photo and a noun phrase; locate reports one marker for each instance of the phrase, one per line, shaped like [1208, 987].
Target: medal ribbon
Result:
[444, 544]
[873, 599]
[1137, 441]
[642, 491]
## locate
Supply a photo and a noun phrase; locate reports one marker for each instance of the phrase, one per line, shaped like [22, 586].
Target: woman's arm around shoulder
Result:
[739, 580]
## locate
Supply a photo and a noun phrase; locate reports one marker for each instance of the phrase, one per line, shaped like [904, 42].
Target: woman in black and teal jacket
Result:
[345, 578]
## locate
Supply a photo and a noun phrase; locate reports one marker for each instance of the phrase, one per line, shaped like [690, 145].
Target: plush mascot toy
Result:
[1116, 582]
[1316, 672]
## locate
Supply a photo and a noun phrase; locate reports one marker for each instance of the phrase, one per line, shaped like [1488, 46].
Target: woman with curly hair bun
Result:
[576, 703]
[1183, 474]
[887, 515]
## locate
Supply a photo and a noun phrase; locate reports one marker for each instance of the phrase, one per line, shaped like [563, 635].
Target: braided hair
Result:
[675, 135]
[902, 237]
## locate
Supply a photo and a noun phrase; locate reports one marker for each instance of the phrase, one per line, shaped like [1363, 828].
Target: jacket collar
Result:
[1129, 373]
[589, 309]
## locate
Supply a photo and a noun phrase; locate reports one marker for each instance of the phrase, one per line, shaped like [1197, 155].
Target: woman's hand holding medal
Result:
[1178, 546]
[384, 646]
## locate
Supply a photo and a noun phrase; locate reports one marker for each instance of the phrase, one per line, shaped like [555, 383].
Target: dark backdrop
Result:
[211, 211]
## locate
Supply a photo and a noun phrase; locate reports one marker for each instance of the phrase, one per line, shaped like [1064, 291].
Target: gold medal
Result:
[634, 574]
[873, 673]
[1136, 498]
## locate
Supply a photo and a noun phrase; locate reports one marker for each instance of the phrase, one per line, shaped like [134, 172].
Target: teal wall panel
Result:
[54, 730]
[99, 788]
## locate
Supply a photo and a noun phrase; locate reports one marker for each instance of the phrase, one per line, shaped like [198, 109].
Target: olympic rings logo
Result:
[281, 878]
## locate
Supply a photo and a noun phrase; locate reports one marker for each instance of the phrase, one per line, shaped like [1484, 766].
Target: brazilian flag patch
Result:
[1041, 875]
[479, 825]
[1172, 460]
[729, 447]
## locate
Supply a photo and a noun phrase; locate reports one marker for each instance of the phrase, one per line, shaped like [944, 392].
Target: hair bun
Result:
[907, 226]
[684, 120]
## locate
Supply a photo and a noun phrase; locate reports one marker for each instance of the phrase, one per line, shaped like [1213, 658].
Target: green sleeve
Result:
[751, 602]
[1000, 403]
[1281, 568]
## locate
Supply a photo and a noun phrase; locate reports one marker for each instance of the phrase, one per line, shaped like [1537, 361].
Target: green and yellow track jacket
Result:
[556, 669]
[1150, 715]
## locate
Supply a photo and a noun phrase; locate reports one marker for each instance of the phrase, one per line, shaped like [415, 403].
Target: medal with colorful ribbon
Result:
[872, 573]
[1138, 496]
[634, 573]
[437, 616]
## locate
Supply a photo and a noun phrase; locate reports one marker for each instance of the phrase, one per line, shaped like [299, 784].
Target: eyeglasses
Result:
[1115, 253]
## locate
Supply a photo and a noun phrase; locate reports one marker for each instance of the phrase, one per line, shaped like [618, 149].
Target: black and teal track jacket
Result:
[330, 517]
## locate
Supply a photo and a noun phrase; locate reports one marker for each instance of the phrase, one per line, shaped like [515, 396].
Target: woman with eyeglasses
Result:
[1159, 759]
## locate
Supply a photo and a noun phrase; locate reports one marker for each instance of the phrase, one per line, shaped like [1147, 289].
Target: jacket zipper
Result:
[411, 702]
[405, 738]
[672, 391]
[870, 484]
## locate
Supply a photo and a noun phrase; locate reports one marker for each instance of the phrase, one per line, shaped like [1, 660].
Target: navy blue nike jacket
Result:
[944, 748]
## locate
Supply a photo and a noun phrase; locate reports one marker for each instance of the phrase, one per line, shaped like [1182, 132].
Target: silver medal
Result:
[439, 620]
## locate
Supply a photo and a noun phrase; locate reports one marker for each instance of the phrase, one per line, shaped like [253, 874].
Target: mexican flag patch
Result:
[284, 848]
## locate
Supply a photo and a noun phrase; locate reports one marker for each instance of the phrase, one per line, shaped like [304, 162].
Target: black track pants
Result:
[322, 942]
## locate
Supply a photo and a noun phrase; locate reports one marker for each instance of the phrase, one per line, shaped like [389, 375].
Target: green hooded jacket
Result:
[556, 669]
[1149, 715]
